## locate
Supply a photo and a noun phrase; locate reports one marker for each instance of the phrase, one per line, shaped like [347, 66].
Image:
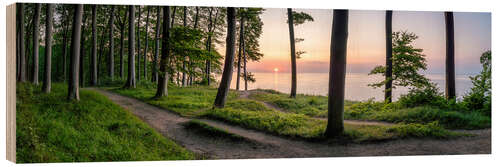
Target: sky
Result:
[366, 41]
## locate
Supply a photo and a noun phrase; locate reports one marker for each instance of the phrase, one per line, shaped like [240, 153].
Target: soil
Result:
[263, 145]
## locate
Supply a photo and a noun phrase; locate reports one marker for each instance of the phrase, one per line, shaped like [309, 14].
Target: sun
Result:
[276, 69]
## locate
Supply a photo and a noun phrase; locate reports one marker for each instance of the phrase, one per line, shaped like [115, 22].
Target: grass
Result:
[317, 106]
[253, 114]
[188, 101]
[52, 129]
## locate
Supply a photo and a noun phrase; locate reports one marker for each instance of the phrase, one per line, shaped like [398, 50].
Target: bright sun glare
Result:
[276, 69]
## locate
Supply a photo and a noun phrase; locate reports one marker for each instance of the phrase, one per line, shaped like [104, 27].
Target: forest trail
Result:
[246, 94]
[263, 145]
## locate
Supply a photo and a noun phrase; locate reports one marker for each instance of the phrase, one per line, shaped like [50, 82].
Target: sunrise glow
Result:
[276, 69]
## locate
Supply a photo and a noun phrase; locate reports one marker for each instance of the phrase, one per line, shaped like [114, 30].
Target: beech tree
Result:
[22, 54]
[36, 43]
[73, 88]
[162, 89]
[48, 48]
[154, 77]
[388, 56]
[111, 57]
[145, 65]
[336, 83]
[131, 51]
[225, 83]
[94, 46]
[450, 56]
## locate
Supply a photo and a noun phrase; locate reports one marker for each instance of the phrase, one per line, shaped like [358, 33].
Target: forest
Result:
[135, 83]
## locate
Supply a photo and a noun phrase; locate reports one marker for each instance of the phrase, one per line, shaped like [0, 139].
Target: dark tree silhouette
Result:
[22, 54]
[241, 48]
[450, 56]
[154, 77]
[184, 18]
[36, 43]
[293, 90]
[48, 47]
[82, 50]
[388, 56]
[66, 22]
[73, 88]
[227, 73]
[94, 47]
[162, 89]
[138, 44]
[111, 58]
[145, 65]
[336, 85]
[131, 37]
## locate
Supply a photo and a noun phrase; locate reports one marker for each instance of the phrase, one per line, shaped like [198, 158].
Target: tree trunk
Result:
[293, 91]
[145, 65]
[388, 56]
[36, 43]
[111, 58]
[154, 77]
[209, 47]
[195, 26]
[336, 86]
[48, 48]
[65, 47]
[173, 17]
[162, 89]
[122, 43]
[99, 57]
[227, 73]
[450, 56]
[245, 67]
[22, 54]
[94, 46]
[139, 45]
[184, 60]
[82, 50]
[73, 88]
[131, 37]
[239, 54]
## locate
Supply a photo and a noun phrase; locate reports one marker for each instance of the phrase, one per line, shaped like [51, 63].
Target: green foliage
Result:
[423, 130]
[407, 61]
[479, 98]
[428, 95]
[300, 18]
[49, 129]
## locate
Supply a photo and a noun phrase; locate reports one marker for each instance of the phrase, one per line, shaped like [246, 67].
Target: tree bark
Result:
[227, 73]
[82, 51]
[122, 43]
[22, 54]
[139, 44]
[154, 77]
[195, 26]
[293, 91]
[450, 56]
[145, 65]
[36, 43]
[388, 56]
[65, 47]
[184, 60]
[94, 46]
[162, 89]
[131, 37]
[73, 88]
[336, 86]
[48, 48]
[239, 53]
[111, 58]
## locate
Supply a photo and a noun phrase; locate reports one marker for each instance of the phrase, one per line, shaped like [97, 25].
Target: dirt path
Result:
[246, 94]
[262, 145]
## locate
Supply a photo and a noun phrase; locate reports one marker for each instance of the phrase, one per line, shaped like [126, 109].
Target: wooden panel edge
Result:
[11, 82]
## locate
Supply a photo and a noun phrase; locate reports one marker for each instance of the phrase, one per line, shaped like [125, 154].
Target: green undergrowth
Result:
[317, 106]
[50, 128]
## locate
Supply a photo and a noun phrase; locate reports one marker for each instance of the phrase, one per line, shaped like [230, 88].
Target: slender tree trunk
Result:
[154, 77]
[99, 57]
[336, 86]
[184, 59]
[388, 56]
[122, 43]
[227, 73]
[111, 58]
[22, 54]
[209, 47]
[239, 54]
[162, 89]
[145, 65]
[94, 46]
[450, 56]
[173, 17]
[36, 43]
[48, 48]
[82, 50]
[65, 46]
[245, 67]
[195, 26]
[73, 88]
[293, 91]
[139, 45]
[131, 37]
